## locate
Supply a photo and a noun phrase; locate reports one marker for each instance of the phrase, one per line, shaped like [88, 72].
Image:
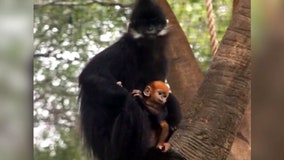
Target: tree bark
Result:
[241, 148]
[210, 125]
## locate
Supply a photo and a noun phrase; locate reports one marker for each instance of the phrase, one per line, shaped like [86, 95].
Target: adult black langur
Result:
[114, 126]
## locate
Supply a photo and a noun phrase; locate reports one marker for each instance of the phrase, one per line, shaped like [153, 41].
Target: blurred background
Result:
[67, 34]
[16, 37]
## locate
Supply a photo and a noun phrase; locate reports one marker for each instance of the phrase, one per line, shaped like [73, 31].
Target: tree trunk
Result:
[208, 129]
[241, 148]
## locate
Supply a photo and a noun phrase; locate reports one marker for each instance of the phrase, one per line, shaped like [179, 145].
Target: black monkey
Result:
[114, 126]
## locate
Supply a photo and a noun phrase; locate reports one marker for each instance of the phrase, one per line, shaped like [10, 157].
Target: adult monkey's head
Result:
[147, 20]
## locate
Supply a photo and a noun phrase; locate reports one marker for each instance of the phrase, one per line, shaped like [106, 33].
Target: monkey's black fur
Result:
[114, 126]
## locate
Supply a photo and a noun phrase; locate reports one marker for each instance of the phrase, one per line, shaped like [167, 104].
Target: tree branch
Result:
[66, 3]
[37, 55]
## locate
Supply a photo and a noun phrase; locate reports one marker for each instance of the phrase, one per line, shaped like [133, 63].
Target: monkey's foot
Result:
[164, 147]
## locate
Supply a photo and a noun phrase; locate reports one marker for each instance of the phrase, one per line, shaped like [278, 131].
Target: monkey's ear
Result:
[147, 91]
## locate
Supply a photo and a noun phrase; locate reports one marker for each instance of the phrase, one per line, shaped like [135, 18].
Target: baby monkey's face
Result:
[160, 96]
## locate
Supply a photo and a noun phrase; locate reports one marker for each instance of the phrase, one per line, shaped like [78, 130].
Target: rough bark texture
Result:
[241, 148]
[209, 128]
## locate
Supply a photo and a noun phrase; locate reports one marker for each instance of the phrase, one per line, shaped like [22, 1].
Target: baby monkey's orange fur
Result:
[155, 96]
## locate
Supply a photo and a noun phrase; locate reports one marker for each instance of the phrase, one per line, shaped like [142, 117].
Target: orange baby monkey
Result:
[154, 97]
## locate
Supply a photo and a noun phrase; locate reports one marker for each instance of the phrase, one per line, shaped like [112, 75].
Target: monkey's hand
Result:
[119, 83]
[137, 93]
[164, 147]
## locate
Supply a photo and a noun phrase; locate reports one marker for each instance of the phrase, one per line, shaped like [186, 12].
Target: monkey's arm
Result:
[96, 85]
[100, 75]
[130, 132]
[174, 115]
[164, 132]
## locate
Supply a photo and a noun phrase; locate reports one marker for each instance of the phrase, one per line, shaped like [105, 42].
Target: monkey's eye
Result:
[162, 94]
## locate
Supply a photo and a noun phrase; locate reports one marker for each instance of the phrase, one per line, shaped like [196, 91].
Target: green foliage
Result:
[65, 37]
[192, 17]
[258, 23]
[68, 147]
